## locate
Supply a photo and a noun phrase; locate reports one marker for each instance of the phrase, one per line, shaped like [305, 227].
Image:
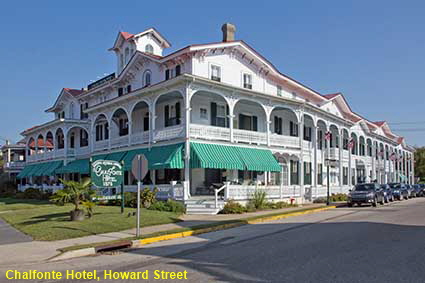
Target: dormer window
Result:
[279, 90]
[128, 88]
[215, 73]
[247, 81]
[167, 74]
[149, 49]
[178, 70]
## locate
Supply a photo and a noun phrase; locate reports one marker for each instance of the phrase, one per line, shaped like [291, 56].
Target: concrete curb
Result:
[146, 241]
[73, 254]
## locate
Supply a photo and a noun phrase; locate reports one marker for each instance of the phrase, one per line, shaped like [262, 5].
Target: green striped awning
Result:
[215, 156]
[258, 159]
[39, 170]
[51, 170]
[98, 157]
[159, 157]
[77, 166]
[116, 156]
[26, 171]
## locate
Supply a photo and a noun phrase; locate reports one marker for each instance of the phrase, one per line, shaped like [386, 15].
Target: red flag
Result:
[351, 144]
[328, 136]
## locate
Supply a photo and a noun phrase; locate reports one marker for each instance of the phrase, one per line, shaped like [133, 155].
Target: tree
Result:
[77, 193]
[420, 163]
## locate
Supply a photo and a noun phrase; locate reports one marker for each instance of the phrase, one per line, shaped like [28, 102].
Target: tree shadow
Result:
[61, 216]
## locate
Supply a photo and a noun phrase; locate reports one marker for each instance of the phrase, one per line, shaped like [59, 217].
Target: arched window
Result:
[147, 78]
[149, 48]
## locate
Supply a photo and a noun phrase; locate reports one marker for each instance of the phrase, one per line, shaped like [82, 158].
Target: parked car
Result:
[411, 190]
[419, 190]
[370, 193]
[388, 193]
[399, 191]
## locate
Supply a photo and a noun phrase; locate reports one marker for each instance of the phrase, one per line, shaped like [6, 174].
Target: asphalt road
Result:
[384, 244]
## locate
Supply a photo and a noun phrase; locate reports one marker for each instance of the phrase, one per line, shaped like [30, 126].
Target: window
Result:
[127, 55]
[128, 88]
[307, 173]
[293, 129]
[149, 49]
[345, 143]
[84, 138]
[106, 130]
[279, 90]
[345, 175]
[167, 74]
[82, 108]
[247, 81]
[146, 122]
[120, 91]
[72, 141]
[172, 114]
[320, 139]
[307, 133]
[147, 78]
[218, 115]
[123, 126]
[178, 70]
[320, 174]
[99, 132]
[71, 110]
[215, 73]
[248, 122]
[294, 172]
[278, 125]
[121, 61]
[203, 114]
[353, 176]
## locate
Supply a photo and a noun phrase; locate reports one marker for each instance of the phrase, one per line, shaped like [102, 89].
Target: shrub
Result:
[232, 207]
[279, 205]
[169, 205]
[250, 207]
[130, 199]
[258, 199]
[148, 197]
[332, 198]
[32, 193]
[7, 189]
[320, 200]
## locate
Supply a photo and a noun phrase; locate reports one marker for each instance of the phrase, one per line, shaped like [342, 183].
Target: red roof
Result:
[126, 35]
[379, 123]
[332, 95]
[73, 92]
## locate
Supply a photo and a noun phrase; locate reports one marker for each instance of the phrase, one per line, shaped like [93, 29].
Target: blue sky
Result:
[372, 51]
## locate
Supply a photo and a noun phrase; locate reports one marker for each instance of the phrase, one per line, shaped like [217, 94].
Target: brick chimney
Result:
[228, 32]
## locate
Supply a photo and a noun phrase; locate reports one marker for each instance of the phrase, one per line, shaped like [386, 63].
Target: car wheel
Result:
[375, 202]
[382, 201]
[349, 204]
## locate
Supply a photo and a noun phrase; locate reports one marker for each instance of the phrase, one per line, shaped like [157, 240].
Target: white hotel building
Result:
[212, 116]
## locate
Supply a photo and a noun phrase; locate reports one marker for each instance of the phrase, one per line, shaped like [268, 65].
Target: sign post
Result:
[139, 169]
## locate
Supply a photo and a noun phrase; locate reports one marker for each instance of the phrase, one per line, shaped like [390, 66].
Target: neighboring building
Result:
[212, 114]
[13, 158]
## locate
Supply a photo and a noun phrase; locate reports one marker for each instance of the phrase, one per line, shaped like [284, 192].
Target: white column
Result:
[314, 167]
[301, 139]
[268, 122]
[350, 173]
[231, 121]
[412, 160]
[152, 118]
[187, 140]
[130, 127]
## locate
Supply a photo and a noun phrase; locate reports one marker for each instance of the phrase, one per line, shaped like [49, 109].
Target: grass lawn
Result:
[49, 222]
[14, 204]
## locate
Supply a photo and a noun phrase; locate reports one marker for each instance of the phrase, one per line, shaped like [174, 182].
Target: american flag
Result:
[328, 136]
[351, 144]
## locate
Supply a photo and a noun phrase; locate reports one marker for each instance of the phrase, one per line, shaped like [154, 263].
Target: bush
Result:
[32, 193]
[169, 205]
[332, 198]
[148, 197]
[279, 205]
[130, 199]
[258, 199]
[7, 190]
[232, 207]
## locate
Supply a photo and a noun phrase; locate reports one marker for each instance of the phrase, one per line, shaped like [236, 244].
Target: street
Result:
[366, 244]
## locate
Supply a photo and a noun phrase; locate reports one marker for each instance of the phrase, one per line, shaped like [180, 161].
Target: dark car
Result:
[370, 193]
[411, 190]
[388, 193]
[399, 191]
[419, 190]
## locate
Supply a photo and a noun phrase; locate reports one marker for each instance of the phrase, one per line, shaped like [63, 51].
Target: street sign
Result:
[107, 173]
[139, 167]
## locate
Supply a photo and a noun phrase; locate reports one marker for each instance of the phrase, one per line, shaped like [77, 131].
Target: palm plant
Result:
[77, 193]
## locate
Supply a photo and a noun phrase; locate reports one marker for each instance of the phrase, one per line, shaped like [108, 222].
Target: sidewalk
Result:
[36, 251]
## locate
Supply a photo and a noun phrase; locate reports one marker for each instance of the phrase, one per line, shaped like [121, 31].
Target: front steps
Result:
[203, 206]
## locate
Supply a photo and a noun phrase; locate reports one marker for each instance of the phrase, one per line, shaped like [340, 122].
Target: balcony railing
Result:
[251, 137]
[285, 141]
[209, 132]
[168, 133]
[140, 138]
[15, 165]
[119, 142]
[101, 145]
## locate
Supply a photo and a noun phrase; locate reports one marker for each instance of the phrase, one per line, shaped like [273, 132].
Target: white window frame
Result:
[249, 75]
[211, 72]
